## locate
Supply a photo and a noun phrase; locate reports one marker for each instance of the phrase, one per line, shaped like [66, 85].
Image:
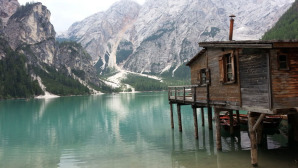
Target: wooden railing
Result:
[182, 93]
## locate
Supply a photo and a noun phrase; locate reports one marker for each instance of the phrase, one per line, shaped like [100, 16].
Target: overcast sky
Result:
[66, 12]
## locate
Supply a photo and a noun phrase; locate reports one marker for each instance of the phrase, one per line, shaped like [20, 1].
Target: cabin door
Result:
[254, 80]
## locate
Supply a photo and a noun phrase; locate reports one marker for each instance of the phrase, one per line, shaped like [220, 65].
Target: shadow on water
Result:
[122, 130]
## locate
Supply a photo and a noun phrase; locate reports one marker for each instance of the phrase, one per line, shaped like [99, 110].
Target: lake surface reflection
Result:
[121, 130]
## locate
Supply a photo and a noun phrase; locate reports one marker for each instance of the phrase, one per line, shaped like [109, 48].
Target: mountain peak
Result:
[7, 8]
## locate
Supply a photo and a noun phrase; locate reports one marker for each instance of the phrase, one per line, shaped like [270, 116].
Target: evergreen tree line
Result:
[60, 83]
[15, 81]
[287, 26]
[144, 83]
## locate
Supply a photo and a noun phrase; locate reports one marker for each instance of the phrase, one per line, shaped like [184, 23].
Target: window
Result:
[227, 68]
[203, 77]
[283, 63]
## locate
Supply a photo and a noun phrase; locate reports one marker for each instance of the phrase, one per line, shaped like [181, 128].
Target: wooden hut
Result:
[260, 77]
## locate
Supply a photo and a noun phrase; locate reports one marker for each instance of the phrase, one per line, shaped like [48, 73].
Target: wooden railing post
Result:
[175, 93]
[194, 95]
[169, 93]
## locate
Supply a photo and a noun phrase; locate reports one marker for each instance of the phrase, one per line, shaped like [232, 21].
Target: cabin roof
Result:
[195, 57]
[251, 44]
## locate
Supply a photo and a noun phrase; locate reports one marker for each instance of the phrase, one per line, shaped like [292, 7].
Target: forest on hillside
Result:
[287, 26]
[15, 81]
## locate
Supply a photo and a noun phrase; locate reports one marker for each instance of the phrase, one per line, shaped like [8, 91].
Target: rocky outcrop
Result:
[164, 34]
[7, 8]
[102, 39]
[29, 31]
[75, 58]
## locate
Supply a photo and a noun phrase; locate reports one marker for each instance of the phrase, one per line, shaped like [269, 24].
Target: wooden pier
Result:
[260, 77]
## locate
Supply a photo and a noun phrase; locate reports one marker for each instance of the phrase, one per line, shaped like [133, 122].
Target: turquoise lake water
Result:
[121, 130]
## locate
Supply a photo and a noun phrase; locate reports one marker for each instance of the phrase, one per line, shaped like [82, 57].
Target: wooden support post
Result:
[210, 118]
[218, 135]
[194, 109]
[202, 115]
[172, 118]
[231, 122]
[179, 117]
[238, 116]
[253, 140]
[260, 133]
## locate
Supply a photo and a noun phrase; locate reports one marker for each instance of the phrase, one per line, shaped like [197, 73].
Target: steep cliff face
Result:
[163, 34]
[30, 32]
[76, 59]
[102, 39]
[7, 8]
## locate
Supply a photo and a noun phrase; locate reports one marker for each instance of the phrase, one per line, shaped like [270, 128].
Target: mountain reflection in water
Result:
[121, 130]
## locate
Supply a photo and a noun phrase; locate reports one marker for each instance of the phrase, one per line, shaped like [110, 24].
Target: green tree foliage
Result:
[287, 26]
[79, 73]
[144, 83]
[23, 10]
[60, 83]
[15, 81]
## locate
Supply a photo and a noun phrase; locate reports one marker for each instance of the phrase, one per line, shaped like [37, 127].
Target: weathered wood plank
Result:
[253, 140]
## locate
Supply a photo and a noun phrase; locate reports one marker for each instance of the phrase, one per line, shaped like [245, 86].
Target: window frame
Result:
[227, 61]
[279, 62]
[200, 80]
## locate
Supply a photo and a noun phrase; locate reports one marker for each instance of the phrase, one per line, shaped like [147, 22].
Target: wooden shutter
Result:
[233, 66]
[199, 77]
[221, 69]
[208, 77]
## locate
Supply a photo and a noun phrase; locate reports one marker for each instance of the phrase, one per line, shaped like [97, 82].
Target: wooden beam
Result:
[172, 118]
[237, 45]
[218, 133]
[253, 140]
[258, 122]
[179, 117]
[285, 44]
[194, 109]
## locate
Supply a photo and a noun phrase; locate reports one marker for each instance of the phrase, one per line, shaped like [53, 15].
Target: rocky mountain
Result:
[161, 35]
[29, 31]
[7, 8]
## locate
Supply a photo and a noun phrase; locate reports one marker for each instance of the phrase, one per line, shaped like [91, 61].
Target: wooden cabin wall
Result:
[254, 79]
[285, 82]
[219, 92]
[195, 67]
